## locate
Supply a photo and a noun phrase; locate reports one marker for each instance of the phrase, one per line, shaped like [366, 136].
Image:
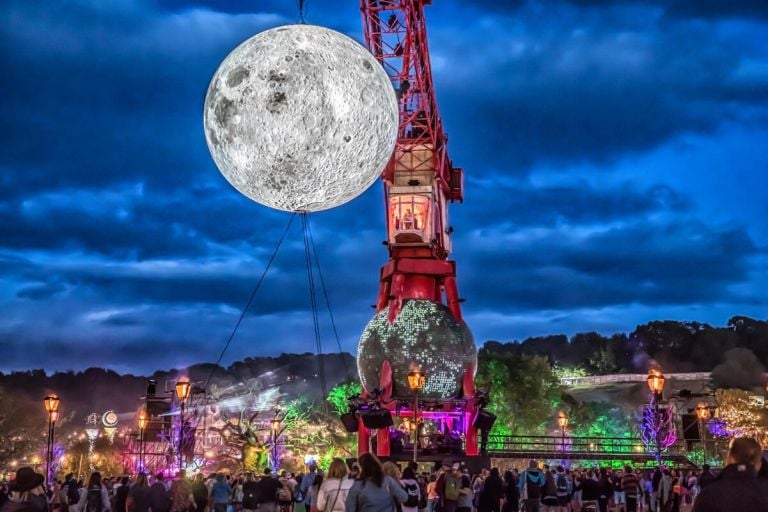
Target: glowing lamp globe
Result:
[301, 118]
[424, 335]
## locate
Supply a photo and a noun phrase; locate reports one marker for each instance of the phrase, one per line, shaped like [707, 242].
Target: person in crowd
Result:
[706, 476]
[590, 490]
[267, 492]
[200, 493]
[665, 498]
[250, 493]
[220, 494]
[4, 495]
[373, 491]
[411, 486]
[121, 495]
[139, 495]
[511, 492]
[237, 494]
[549, 495]
[54, 501]
[432, 492]
[466, 499]
[492, 493]
[630, 486]
[606, 489]
[676, 490]
[311, 498]
[655, 484]
[334, 490]
[564, 488]
[532, 482]
[182, 498]
[159, 497]
[27, 493]
[738, 487]
[70, 494]
[307, 481]
[96, 497]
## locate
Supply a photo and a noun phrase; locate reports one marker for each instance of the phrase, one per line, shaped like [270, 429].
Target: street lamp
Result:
[142, 420]
[703, 413]
[656, 385]
[51, 404]
[183, 389]
[275, 428]
[416, 381]
[562, 420]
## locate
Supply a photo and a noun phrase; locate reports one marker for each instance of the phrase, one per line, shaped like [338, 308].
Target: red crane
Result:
[419, 180]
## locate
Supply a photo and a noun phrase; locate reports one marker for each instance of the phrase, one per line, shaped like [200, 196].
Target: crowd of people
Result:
[371, 486]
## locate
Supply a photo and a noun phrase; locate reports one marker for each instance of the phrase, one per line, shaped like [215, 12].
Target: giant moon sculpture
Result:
[301, 118]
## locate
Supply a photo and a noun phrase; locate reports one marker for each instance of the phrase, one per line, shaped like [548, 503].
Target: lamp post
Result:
[183, 389]
[562, 420]
[416, 381]
[655, 382]
[51, 403]
[275, 429]
[142, 420]
[702, 413]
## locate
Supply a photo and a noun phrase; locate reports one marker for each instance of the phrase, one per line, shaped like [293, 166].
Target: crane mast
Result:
[419, 183]
[419, 180]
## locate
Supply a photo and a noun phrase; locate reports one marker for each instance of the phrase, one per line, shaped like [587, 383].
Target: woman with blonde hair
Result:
[334, 489]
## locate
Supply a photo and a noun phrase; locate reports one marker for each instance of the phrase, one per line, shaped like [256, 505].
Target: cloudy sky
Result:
[616, 155]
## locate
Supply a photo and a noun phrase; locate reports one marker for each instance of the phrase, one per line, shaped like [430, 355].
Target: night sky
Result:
[616, 156]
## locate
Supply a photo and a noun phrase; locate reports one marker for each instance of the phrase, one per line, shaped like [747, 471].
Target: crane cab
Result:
[409, 215]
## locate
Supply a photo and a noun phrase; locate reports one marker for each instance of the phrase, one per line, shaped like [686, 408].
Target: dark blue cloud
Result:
[121, 244]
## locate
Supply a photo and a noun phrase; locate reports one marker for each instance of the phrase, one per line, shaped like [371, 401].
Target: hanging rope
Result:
[313, 303]
[301, 12]
[325, 297]
[250, 300]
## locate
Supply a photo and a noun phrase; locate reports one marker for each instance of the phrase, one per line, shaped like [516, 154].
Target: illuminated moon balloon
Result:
[301, 118]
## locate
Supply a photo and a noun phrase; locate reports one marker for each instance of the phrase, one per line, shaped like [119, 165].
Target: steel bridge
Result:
[581, 448]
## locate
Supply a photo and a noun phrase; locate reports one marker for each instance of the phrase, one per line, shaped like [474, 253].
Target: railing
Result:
[597, 380]
[577, 448]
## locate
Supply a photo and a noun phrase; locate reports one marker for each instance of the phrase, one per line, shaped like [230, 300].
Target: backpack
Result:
[451, 488]
[533, 488]
[412, 490]
[284, 495]
[562, 484]
[93, 500]
[73, 496]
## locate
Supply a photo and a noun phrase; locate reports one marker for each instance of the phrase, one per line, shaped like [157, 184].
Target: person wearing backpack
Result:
[96, 497]
[564, 488]
[411, 488]
[549, 496]
[451, 489]
[532, 482]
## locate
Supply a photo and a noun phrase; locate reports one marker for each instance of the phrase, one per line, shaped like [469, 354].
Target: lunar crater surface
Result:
[300, 118]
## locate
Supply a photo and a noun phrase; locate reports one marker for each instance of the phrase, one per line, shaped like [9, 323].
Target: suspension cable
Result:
[325, 297]
[313, 302]
[250, 300]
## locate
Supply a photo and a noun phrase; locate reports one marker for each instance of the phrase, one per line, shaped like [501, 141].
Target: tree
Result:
[340, 394]
[742, 417]
[523, 390]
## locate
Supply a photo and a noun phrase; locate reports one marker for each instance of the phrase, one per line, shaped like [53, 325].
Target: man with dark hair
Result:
[532, 482]
[266, 492]
[737, 487]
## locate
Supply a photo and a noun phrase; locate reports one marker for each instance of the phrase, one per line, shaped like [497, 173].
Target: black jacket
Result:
[737, 488]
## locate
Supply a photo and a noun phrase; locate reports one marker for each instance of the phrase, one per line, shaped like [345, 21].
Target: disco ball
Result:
[424, 335]
[301, 118]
